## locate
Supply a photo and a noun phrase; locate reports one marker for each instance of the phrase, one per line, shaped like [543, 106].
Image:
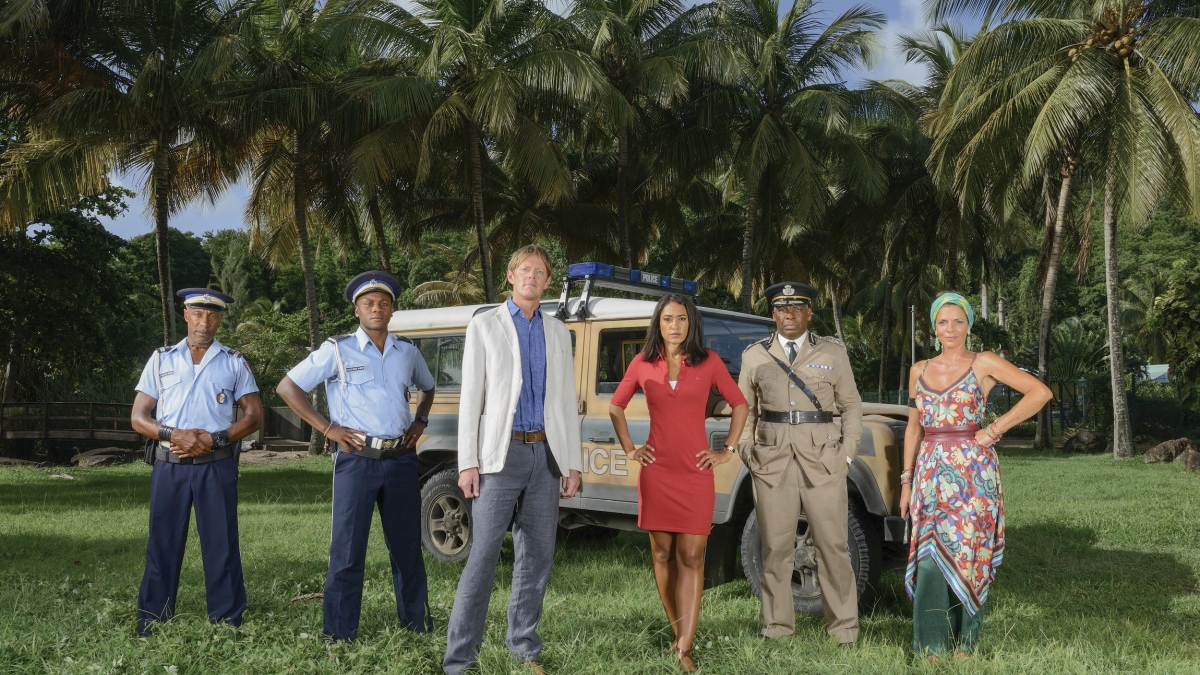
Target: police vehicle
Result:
[606, 333]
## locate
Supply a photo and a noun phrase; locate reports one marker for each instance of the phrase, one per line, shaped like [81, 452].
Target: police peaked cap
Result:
[204, 298]
[790, 293]
[372, 281]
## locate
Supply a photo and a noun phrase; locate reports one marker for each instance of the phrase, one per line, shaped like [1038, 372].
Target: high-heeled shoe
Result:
[684, 657]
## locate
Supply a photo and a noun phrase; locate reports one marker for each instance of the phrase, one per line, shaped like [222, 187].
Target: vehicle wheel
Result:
[445, 518]
[865, 560]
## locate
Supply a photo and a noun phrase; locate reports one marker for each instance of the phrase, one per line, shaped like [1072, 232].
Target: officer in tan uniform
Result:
[798, 458]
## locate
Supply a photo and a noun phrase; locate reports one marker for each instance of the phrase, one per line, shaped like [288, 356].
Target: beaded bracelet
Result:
[991, 431]
[906, 478]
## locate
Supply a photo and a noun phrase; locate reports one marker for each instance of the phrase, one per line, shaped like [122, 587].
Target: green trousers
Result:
[941, 625]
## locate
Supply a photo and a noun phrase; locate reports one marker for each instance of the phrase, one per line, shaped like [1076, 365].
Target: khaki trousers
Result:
[778, 508]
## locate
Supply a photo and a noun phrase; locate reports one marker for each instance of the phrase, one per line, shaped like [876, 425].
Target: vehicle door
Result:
[609, 477]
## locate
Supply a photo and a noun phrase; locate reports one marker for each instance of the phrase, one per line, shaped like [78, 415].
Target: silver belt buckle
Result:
[794, 416]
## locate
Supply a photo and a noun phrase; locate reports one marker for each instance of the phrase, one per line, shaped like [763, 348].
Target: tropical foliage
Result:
[726, 142]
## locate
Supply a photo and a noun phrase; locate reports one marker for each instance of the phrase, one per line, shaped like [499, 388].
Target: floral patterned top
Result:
[957, 506]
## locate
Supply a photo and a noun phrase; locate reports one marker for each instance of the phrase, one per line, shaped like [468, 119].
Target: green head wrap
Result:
[951, 299]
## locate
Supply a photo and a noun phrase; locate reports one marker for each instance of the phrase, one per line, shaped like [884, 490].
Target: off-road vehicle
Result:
[606, 333]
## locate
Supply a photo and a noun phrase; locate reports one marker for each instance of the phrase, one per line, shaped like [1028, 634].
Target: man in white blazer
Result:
[518, 453]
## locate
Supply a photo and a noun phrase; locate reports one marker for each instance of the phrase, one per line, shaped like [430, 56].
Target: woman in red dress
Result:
[675, 484]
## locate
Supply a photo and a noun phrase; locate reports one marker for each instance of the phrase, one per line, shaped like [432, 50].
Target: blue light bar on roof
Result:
[601, 272]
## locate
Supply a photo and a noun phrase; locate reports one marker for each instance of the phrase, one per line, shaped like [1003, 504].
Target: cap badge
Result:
[788, 290]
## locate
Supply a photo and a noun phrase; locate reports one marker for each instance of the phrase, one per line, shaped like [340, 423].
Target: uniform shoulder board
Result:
[765, 342]
[829, 338]
[233, 352]
[334, 339]
[164, 350]
[403, 339]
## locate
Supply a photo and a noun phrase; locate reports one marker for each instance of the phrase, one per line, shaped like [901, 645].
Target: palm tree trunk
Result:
[300, 212]
[887, 331]
[623, 195]
[1122, 432]
[837, 313]
[6, 385]
[1042, 438]
[485, 262]
[983, 300]
[380, 240]
[748, 247]
[162, 215]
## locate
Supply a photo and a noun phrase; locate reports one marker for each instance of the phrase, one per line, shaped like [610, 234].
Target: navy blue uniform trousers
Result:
[359, 484]
[174, 489]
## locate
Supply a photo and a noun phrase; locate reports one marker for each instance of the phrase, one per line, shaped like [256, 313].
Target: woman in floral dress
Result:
[957, 507]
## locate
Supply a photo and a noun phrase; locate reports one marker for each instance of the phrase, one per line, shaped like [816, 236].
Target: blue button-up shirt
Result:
[198, 396]
[531, 337]
[376, 387]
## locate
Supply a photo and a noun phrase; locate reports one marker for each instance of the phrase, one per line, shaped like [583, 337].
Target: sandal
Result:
[684, 657]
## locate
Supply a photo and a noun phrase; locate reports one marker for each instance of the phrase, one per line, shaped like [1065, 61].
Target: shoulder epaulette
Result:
[765, 342]
[830, 338]
[233, 352]
[403, 339]
[334, 339]
[164, 350]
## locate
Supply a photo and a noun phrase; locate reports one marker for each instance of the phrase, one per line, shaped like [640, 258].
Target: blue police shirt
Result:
[198, 396]
[531, 336]
[376, 400]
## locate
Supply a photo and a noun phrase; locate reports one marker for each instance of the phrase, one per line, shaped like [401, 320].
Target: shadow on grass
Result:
[1055, 583]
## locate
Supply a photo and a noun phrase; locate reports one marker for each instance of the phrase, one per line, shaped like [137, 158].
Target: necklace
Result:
[198, 348]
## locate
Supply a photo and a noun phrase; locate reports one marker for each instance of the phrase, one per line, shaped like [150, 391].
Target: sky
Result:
[904, 16]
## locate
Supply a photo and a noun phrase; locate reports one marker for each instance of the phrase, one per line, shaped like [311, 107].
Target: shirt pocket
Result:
[360, 387]
[168, 380]
[224, 384]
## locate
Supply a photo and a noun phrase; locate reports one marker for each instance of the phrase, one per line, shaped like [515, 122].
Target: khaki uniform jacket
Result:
[823, 450]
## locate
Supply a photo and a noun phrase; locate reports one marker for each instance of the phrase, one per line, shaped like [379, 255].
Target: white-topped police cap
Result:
[372, 281]
[790, 293]
[204, 298]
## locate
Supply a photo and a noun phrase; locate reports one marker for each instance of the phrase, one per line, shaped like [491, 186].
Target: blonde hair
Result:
[524, 252]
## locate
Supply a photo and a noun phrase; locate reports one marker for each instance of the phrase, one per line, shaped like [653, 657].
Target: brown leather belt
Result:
[529, 436]
[956, 434]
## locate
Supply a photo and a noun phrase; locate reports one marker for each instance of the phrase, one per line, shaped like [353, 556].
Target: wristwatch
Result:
[220, 439]
[423, 419]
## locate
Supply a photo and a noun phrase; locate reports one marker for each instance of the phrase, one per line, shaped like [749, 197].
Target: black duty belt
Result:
[377, 448]
[165, 455]
[796, 416]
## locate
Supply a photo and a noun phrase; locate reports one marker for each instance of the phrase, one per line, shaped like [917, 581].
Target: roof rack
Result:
[594, 274]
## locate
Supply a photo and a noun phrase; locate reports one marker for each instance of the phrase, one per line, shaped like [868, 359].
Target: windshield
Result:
[729, 337]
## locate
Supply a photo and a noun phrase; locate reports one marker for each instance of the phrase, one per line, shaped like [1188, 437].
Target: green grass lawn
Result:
[1100, 575]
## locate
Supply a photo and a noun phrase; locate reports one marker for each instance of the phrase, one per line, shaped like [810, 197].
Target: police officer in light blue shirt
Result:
[373, 438]
[193, 385]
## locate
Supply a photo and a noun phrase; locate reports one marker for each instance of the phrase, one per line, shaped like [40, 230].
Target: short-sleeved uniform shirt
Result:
[198, 396]
[376, 387]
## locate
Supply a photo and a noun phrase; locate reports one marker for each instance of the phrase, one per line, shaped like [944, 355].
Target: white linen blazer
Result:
[491, 386]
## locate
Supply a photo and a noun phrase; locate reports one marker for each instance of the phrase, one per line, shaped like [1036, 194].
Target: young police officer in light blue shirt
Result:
[373, 436]
[194, 384]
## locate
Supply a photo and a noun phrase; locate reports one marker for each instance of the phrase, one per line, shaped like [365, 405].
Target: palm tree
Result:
[792, 111]
[648, 52]
[142, 83]
[1109, 80]
[502, 67]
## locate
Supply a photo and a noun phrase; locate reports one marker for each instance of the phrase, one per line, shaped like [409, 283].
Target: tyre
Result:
[445, 518]
[866, 559]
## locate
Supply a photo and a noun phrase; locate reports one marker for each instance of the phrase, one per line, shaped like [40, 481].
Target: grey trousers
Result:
[524, 493]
